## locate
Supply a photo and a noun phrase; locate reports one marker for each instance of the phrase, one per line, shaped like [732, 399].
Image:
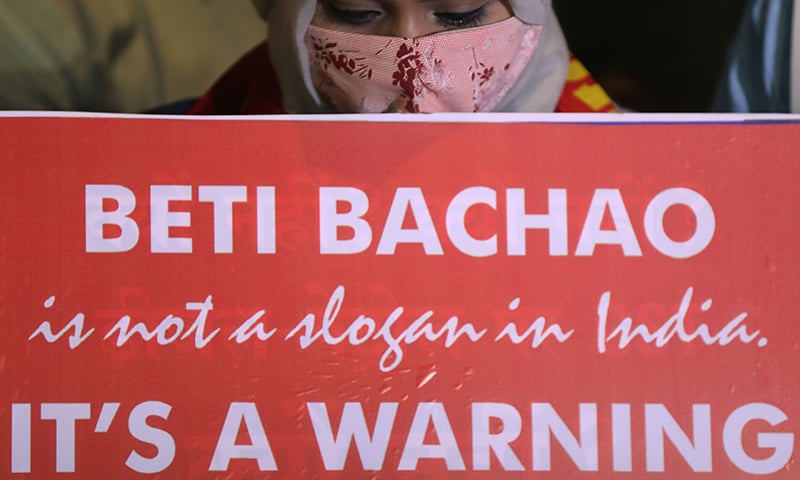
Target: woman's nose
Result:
[409, 26]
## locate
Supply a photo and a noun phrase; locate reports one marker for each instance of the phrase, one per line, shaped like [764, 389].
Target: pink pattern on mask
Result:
[441, 72]
[406, 76]
[330, 57]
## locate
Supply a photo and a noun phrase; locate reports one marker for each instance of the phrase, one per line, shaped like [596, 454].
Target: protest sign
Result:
[344, 299]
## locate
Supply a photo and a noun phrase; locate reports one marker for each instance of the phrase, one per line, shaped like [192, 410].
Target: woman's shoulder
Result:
[582, 94]
[249, 87]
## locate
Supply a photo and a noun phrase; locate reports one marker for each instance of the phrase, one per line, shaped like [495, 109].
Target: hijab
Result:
[537, 90]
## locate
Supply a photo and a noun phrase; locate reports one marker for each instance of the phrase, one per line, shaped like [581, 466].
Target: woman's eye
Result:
[473, 18]
[344, 16]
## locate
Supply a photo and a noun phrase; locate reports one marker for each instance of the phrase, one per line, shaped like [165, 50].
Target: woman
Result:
[371, 56]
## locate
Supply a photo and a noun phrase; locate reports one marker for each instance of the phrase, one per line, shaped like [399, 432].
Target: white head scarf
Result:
[537, 90]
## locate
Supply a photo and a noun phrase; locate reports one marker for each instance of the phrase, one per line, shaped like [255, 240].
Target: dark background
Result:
[653, 55]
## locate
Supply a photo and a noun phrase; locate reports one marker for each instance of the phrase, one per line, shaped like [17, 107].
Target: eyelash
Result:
[469, 19]
[358, 18]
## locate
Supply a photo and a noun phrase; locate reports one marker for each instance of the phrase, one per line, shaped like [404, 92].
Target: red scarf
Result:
[251, 87]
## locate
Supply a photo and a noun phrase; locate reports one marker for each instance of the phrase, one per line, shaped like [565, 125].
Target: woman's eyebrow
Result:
[459, 3]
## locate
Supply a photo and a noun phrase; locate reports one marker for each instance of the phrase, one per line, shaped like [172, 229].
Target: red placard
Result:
[319, 299]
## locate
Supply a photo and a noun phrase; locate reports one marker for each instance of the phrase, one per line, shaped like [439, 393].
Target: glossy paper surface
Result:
[470, 301]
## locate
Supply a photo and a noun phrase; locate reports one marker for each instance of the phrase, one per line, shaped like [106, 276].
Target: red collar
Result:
[249, 87]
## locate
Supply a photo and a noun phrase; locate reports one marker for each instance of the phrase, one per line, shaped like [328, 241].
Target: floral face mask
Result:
[468, 70]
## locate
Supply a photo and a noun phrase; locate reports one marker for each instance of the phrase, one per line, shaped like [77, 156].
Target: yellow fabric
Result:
[582, 92]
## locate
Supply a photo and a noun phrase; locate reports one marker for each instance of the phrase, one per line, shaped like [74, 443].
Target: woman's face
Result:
[407, 18]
